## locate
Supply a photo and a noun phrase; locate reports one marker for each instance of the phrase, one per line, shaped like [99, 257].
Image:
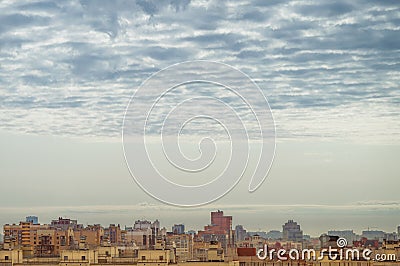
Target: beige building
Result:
[183, 246]
[140, 237]
[10, 257]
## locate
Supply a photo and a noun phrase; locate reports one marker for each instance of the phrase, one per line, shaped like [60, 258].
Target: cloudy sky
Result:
[329, 69]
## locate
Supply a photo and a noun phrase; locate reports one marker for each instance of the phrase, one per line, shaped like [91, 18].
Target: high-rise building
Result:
[178, 229]
[219, 230]
[292, 232]
[220, 221]
[240, 233]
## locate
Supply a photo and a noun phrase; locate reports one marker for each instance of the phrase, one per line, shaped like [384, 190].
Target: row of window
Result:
[159, 258]
[82, 258]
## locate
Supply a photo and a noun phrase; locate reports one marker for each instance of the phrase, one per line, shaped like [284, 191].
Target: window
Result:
[83, 257]
[65, 257]
[143, 257]
[106, 253]
[6, 258]
[161, 257]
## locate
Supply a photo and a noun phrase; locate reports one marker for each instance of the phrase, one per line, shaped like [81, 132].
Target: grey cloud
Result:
[326, 9]
[87, 57]
[10, 22]
[40, 6]
[253, 15]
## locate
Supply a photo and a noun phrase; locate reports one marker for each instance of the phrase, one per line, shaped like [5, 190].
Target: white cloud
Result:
[330, 70]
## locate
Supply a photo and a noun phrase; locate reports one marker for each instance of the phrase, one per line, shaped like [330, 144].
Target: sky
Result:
[329, 70]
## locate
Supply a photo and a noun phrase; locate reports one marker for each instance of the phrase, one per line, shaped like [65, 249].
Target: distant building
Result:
[349, 235]
[178, 229]
[398, 231]
[140, 237]
[374, 235]
[292, 232]
[274, 234]
[113, 234]
[192, 232]
[390, 237]
[220, 221]
[65, 223]
[32, 219]
[144, 232]
[142, 224]
[240, 233]
[219, 230]
[327, 241]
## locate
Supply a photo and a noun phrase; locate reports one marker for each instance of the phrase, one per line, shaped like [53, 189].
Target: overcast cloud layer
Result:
[330, 69]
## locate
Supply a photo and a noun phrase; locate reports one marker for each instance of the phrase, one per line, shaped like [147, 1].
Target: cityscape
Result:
[199, 133]
[65, 241]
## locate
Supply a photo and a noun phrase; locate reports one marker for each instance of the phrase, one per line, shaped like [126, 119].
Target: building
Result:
[139, 237]
[142, 224]
[65, 223]
[349, 235]
[254, 241]
[153, 226]
[292, 232]
[327, 241]
[178, 229]
[391, 236]
[262, 234]
[92, 235]
[182, 244]
[208, 251]
[240, 233]
[221, 222]
[274, 234]
[32, 219]
[113, 234]
[11, 257]
[219, 230]
[374, 235]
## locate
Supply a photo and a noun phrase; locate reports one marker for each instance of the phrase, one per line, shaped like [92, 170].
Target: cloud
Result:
[83, 60]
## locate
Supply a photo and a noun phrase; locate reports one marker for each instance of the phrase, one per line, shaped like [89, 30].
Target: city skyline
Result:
[187, 227]
[329, 70]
